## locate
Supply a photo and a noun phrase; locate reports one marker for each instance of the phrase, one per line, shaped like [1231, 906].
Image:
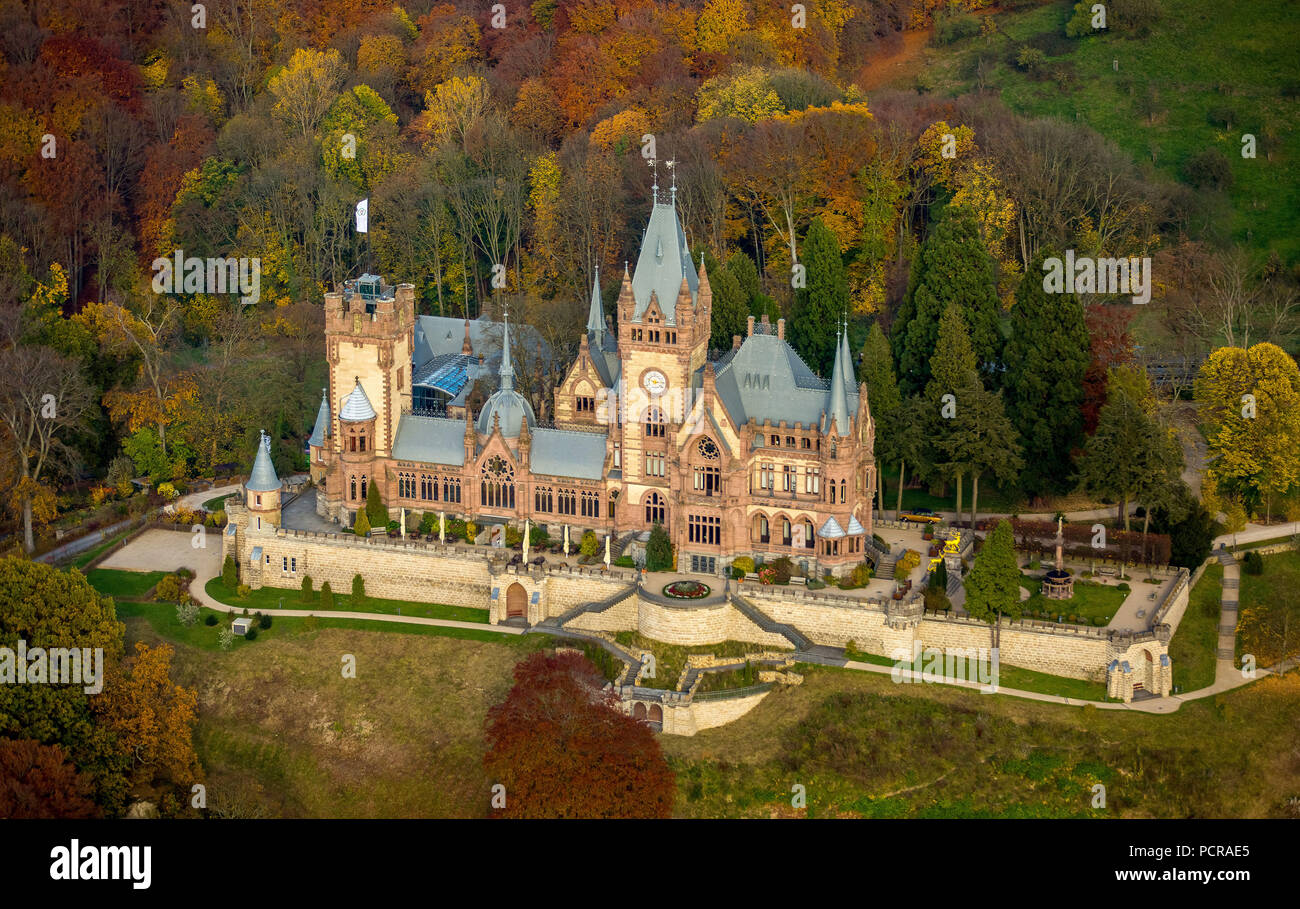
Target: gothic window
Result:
[654, 509]
[812, 481]
[566, 502]
[762, 532]
[613, 499]
[353, 494]
[654, 424]
[543, 499]
[809, 536]
[844, 484]
[785, 532]
[586, 404]
[363, 486]
[708, 449]
[590, 505]
[497, 486]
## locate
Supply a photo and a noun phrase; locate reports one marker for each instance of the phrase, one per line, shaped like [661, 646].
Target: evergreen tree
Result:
[1047, 357]
[361, 526]
[730, 307]
[326, 596]
[822, 302]
[952, 372]
[877, 371]
[376, 511]
[903, 439]
[307, 593]
[358, 590]
[745, 272]
[658, 550]
[953, 267]
[993, 585]
[230, 573]
[979, 440]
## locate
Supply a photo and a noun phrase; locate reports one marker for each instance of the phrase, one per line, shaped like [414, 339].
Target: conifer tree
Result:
[824, 300]
[1047, 358]
[993, 585]
[877, 371]
[953, 267]
[730, 307]
[953, 386]
[376, 511]
[361, 526]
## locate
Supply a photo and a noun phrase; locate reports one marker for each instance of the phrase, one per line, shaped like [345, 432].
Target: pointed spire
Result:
[838, 413]
[596, 315]
[849, 377]
[262, 478]
[507, 370]
[322, 428]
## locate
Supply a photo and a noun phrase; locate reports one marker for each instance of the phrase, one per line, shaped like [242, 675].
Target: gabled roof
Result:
[356, 407]
[565, 453]
[663, 262]
[322, 429]
[431, 440]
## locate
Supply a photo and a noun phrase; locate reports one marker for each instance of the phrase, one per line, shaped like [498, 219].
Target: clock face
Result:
[654, 382]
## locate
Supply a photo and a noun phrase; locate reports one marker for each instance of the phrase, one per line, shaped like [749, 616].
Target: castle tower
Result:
[262, 490]
[318, 443]
[369, 338]
[506, 407]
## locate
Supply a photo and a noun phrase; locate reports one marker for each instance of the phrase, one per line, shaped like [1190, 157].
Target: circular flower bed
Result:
[686, 590]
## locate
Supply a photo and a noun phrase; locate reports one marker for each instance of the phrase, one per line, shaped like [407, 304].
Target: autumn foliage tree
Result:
[37, 781]
[562, 748]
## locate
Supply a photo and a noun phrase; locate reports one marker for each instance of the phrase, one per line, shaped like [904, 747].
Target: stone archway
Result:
[656, 714]
[1148, 675]
[516, 601]
[639, 711]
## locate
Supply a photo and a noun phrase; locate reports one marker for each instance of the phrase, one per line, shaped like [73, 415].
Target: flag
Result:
[363, 216]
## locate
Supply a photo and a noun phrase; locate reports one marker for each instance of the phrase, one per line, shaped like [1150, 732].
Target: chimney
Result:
[735, 342]
[750, 330]
[780, 329]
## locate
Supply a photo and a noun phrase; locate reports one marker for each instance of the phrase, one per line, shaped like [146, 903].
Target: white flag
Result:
[363, 216]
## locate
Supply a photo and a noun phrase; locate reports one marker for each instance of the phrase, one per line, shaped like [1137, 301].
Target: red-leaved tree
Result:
[563, 749]
[37, 781]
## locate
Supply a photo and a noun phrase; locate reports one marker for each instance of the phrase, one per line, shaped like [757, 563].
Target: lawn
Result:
[281, 732]
[1019, 679]
[218, 503]
[1090, 601]
[1192, 648]
[1201, 56]
[267, 599]
[1269, 616]
[128, 585]
[670, 659]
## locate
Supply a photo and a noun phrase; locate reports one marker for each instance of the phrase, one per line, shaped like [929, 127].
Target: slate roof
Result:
[262, 478]
[766, 380]
[322, 430]
[664, 260]
[357, 406]
[432, 440]
[565, 453]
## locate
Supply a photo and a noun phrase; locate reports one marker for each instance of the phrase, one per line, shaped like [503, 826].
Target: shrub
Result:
[251, 633]
[1123, 586]
[954, 25]
[625, 562]
[361, 526]
[428, 523]
[860, 576]
[737, 573]
[1208, 169]
[1253, 563]
[744, 563]
[358, 590]
[187, 613]
[229, 573]
[263, 620]
[168, 589]
[590, 544]
[211, 619]
[394, 527]
[242, 591]
[783, 568]
[186, 573]
[1031, 59]
[226, 638]
[307, 593]
[470, 531]
[326, 596]
[537, 537]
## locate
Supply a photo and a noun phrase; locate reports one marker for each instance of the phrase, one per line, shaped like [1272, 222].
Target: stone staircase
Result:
[764, 621]
[885, 568]
[1226, 647]
[559, 621]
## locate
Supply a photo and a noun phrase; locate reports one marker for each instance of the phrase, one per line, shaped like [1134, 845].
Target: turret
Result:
[262, 489]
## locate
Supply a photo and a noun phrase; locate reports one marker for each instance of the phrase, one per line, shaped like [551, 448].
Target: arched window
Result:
[353, 494]
[363, 486]
[654, 423]
[785, 532]
[809, 535]
[761, 530]
[497, 487]
[844, 497]
[655, 512]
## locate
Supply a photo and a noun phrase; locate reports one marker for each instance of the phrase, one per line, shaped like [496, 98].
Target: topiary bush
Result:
[326, 596]
[1253, 563]
[358, 590]
[307, 594]
[211, 619]
[230, 573]
[168, 589]
[251, 633]
[263, 620]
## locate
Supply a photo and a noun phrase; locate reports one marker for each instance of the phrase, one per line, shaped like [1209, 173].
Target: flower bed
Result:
[686, 590]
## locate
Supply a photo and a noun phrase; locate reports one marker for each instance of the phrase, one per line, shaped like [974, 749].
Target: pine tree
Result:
[953, 267]
[745, 272]
[822, 302]
[230, 573]
[1047, 358]
[358, 590]
[993, 585]
[326, 596]
[658, 550]
[982, 440]
[361, 526]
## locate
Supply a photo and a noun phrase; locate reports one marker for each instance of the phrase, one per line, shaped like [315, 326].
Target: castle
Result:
[750, 453]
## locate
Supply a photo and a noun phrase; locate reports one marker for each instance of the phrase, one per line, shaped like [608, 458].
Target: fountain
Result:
[1058, 584]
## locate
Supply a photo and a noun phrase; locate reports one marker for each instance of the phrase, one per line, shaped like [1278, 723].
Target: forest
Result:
[520, 141]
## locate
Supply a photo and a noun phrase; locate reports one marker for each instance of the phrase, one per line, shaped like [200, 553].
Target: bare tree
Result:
[43, 398]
